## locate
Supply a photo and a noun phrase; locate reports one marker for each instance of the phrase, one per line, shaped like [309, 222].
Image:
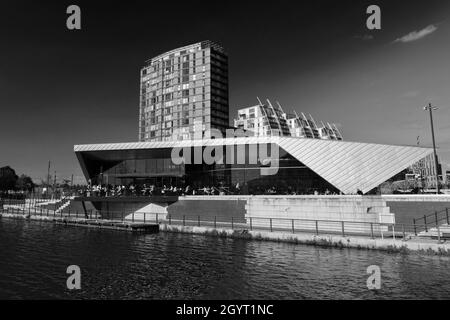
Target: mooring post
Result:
[215, 222]
[157, 220]
[170, 219]
[403, 231]
[414, 225]
[446, 215]
[425, 221]
[436, 217]
[232, 223]
[198, 221]
[270, 224]
[439, 234]
[317, 227]
[184, 220]
[144, 217]
[293, 227]
[343, 231]
[371, 230]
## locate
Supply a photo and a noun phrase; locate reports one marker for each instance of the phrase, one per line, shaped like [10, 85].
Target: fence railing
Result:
[294, 226]
[434, 219]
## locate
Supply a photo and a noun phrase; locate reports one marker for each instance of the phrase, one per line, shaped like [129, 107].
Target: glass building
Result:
[301, 165]
[184, 93]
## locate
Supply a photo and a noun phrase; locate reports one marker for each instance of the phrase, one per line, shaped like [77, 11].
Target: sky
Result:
[61, 87]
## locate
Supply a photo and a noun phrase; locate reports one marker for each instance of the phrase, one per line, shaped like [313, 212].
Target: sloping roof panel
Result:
[350, 166]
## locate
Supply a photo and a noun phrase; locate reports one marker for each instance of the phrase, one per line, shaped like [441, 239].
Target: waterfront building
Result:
[267, 119]
[184, 93]
[302, 166]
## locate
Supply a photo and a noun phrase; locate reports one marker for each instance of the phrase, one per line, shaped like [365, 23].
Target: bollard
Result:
[317, 227]
[270, 224]
[446, 215]
[232, 223]
[170, 219]
[403, 231]
[198, 220]
[215, 222]
[343, 232]
[144, 217]
[157, 220]
[251, 224]
[132, 217]
[184, 220]
[436, 217]
[414, 224]
[371, 230]
[293, 227]
[425, 222]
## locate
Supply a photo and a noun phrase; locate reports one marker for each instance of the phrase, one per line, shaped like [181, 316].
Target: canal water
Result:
[34, 257]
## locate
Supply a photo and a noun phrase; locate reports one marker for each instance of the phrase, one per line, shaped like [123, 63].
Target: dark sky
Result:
[60, 87]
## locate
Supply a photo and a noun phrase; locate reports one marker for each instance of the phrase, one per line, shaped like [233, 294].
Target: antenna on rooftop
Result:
[260, 103]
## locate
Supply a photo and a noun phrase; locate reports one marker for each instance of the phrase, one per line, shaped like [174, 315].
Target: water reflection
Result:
[118, 265]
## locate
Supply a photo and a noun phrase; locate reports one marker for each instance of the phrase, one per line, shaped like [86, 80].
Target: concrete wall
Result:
[409, 207]
[351, 209]
[209, 207]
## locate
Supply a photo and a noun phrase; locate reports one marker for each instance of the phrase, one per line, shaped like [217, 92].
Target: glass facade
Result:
[155, 167]
[184, 93]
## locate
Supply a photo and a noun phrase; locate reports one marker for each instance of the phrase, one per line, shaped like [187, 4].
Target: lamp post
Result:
[430, 109]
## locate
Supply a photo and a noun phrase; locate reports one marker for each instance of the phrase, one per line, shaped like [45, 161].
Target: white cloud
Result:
[416, 35]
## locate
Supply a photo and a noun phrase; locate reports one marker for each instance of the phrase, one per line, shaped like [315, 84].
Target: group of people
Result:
[221, 189]
[147, 190]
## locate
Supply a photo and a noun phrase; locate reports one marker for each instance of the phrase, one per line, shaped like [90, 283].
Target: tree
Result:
[25, 183]
[8, 179]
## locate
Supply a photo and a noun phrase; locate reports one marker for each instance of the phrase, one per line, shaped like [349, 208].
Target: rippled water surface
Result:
[119, 265]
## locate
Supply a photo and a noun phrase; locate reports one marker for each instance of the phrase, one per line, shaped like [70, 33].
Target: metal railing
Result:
[294, 226]
[434, 219]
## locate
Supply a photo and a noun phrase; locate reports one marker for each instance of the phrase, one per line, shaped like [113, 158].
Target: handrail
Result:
[432, 214]
[437, 215]
[317, 226]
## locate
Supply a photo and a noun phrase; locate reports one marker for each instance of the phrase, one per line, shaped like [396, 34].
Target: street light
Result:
[431, 108]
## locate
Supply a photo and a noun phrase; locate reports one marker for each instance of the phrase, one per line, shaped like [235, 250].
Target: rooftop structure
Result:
[267, 119]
